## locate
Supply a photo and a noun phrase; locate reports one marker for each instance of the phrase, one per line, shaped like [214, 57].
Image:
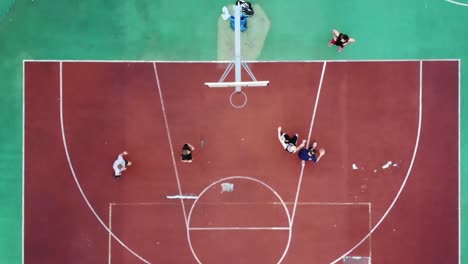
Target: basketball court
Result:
[391, 170]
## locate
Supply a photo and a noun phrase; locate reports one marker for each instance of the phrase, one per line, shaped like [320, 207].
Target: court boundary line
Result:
[252, 61]
[23, 179]
[459, 165]
[402, 187]
[299, 61]
[77, 182]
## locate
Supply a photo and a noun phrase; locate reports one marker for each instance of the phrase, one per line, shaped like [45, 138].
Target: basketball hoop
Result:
[238, 105]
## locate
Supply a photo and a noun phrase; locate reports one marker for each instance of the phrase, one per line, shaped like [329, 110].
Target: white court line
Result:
[186, 197]
[251, 228]
[298, 190]
[459, 162]
[222, 61]
[240, 228]
[364, 60]
[76, 178]
[186, 219]
[370, 228]
[110, 237]
[373, 229]
[245, 203]
[296, 198]
[170, 143]
[456, 3]
[317, 98]
[244, 178]
[22, 165]
[407, 174]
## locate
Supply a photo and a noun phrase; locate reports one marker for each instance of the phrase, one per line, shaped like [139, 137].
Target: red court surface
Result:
[353, 206]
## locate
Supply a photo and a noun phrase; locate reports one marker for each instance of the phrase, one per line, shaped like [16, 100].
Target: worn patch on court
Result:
[252, 40]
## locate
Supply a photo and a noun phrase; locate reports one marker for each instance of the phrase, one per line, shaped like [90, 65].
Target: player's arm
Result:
[321, 153]
[281, 138]
[301, 146]
[191, 147]
[351, 40]
[336, 33]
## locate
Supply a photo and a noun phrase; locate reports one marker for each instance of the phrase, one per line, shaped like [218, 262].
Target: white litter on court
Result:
[387, 165]
[355, 167]
[193, 197]
[227, 187]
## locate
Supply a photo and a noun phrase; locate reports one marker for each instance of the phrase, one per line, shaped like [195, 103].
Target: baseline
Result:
[253, 61]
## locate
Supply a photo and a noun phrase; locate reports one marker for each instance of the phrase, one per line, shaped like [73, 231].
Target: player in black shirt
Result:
[187, 152]
[246, 7]
[340, 40]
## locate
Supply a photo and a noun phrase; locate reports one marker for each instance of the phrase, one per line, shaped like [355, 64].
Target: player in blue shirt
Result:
[311, 154]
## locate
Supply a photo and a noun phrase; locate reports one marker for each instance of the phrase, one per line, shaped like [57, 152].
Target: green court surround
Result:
[175, 30]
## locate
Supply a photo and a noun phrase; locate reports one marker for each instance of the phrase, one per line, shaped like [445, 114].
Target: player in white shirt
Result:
[120, 164]
[289, 143]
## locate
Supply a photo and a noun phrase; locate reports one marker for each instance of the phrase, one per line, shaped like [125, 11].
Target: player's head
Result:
[186, 151]
[312, 152]
[345, 38]
[291, 148]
